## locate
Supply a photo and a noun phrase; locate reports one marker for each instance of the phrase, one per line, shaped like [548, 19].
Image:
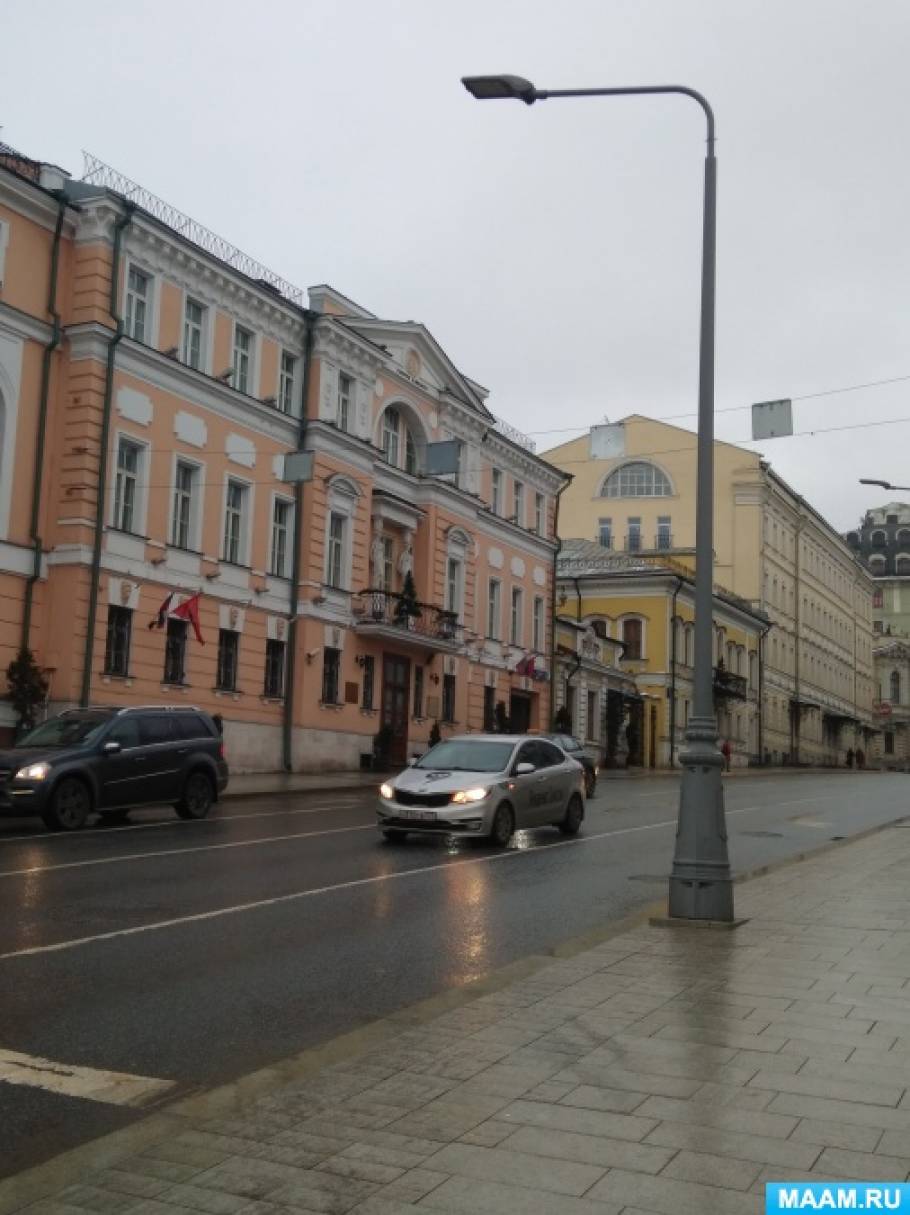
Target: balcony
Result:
[663, 541]
[633, 542]
[390, 616]
[728, 686]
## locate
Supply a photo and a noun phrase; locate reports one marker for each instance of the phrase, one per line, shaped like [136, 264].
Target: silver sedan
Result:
[484, 785]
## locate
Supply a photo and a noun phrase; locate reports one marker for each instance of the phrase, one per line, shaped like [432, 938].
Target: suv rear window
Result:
[191, 725]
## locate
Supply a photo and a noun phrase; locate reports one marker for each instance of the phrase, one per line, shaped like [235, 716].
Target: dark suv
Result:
[111, 760]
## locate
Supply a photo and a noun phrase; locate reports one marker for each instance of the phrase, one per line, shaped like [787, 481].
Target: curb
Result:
[43, 1180]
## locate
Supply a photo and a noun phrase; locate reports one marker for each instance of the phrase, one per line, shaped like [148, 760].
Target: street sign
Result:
[298, 466]
[772, 419]
[443, 457]
[608, 441]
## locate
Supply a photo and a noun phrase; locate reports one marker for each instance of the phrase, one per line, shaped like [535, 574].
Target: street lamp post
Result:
[701, 887]
[883, 484]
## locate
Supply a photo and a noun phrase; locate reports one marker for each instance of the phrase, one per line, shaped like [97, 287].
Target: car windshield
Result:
[467, 755]
[68, 731]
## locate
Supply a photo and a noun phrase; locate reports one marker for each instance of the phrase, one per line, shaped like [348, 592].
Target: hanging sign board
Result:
[772, 419]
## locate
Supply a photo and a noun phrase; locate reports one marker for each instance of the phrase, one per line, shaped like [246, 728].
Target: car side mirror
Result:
[111, 748]
[524, 769]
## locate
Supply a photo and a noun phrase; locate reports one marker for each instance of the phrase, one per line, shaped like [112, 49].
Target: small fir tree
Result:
[435, 734]
[27, 688]
[408, 603]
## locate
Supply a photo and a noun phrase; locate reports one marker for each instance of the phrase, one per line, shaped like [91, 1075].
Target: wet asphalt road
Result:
[198, 952]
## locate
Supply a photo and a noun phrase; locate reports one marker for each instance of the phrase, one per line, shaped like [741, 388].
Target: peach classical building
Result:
[371, 549]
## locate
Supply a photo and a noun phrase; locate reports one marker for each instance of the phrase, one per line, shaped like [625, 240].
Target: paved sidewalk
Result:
[659, 1070]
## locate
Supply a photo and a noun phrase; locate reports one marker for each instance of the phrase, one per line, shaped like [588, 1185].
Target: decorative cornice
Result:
[33, 203]
[23, 325]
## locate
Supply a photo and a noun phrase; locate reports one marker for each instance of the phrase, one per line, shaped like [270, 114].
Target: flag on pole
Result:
[526, 666]
[189, 610]
[161, 617]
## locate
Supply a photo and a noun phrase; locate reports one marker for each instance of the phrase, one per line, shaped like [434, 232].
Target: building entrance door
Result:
[396, 685]
[519, 713]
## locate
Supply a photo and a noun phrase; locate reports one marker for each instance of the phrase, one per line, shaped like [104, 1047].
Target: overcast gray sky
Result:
[554, 250]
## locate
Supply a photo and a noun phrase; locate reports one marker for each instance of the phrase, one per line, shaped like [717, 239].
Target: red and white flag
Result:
[189, 610]
[161, 618]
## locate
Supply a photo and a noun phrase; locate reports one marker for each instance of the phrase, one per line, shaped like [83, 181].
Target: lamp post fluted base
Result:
[701, 885]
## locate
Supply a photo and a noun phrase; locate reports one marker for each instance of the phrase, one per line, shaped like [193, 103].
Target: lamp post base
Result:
[701, 885]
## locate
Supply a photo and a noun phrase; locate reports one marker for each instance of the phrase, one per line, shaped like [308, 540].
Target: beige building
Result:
[891, 747]
[634, 491]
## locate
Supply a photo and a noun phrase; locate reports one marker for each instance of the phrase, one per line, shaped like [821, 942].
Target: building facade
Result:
[891, 745]
[590, 685]
[647, 606]
[369, 550]
[882, 543]
[633, 492]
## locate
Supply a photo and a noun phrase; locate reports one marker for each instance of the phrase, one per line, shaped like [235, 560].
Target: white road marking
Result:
[141, 856]
[296, 896]
[92, 1084]
[41, 837]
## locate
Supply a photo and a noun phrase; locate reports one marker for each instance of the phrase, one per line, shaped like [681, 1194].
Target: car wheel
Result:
[572, 819]
[590, 782]
[69, 807]
[392, 836]
[198, 796]
[112, 818]
[503, 826]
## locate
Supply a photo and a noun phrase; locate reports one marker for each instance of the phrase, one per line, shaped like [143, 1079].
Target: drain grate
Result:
[764, 835]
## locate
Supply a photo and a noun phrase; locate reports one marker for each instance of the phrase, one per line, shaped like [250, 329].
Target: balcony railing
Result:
[423, 621]
[663, 541]
[633, 542]
[726, 684]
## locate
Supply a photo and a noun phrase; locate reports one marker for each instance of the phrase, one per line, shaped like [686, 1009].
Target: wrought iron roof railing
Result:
[98, 173]
[514, 435]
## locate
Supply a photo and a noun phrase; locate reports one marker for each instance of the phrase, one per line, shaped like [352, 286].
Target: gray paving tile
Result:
[760, 1148]
[413, 1185]
[582, 1121]
[669, 1196]
[710, 1113]
[892, 1143]
[837, 1134]
[512, 1167]
[823, 1086]
[852, 1113]
[870, 1167]
[709, 1169]
[465, 1194]
[587, 1096]
[588, 1149]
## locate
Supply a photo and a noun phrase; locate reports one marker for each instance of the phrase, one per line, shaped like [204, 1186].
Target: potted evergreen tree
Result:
[27, 689]
[408, 604]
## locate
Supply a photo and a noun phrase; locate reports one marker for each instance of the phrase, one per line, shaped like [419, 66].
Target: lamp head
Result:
[870, 481]
[491, 88]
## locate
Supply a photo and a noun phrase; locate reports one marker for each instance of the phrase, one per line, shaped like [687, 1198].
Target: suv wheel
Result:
[575, 813]
[69, 806]
[198, 796]
[503, 826]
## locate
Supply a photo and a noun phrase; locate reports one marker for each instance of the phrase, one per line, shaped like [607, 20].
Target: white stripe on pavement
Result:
[142, 856]
[89, 1083]
[297, 895]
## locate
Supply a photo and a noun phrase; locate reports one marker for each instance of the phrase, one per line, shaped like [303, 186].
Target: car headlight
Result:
[469, 795]
[33, 772]
[387, 792]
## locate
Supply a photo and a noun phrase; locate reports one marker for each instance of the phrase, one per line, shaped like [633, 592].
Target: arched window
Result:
[637, 479]
[903, 535]
[410, 452]
[398, 440]
[632, 636]
[902, 564]
[877, 563]
[879, 537]
[895, 687]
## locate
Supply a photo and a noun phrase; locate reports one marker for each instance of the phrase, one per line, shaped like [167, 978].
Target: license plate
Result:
[420, 816]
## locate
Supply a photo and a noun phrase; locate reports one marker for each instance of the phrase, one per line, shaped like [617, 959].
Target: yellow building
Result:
[593, 689]
[633, 492]
[647, 605]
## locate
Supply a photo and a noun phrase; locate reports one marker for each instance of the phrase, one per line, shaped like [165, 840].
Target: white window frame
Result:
[516, 615]
[538, 625]
[344, 402]
[518, 502]
[140, 500]
[341, 499]
[540, 513]
[252, 377]
[150, 322]
[204, 343]
[197, 498]
[496, 491]
[285, 571]
[494, 618]
[454, 596]
[336, 546]
[287, 382]
[394, 436]
[246, 515]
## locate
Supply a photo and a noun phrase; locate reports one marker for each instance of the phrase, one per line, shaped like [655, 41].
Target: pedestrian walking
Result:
[850, 758]
[860, 758]
[726, 752]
